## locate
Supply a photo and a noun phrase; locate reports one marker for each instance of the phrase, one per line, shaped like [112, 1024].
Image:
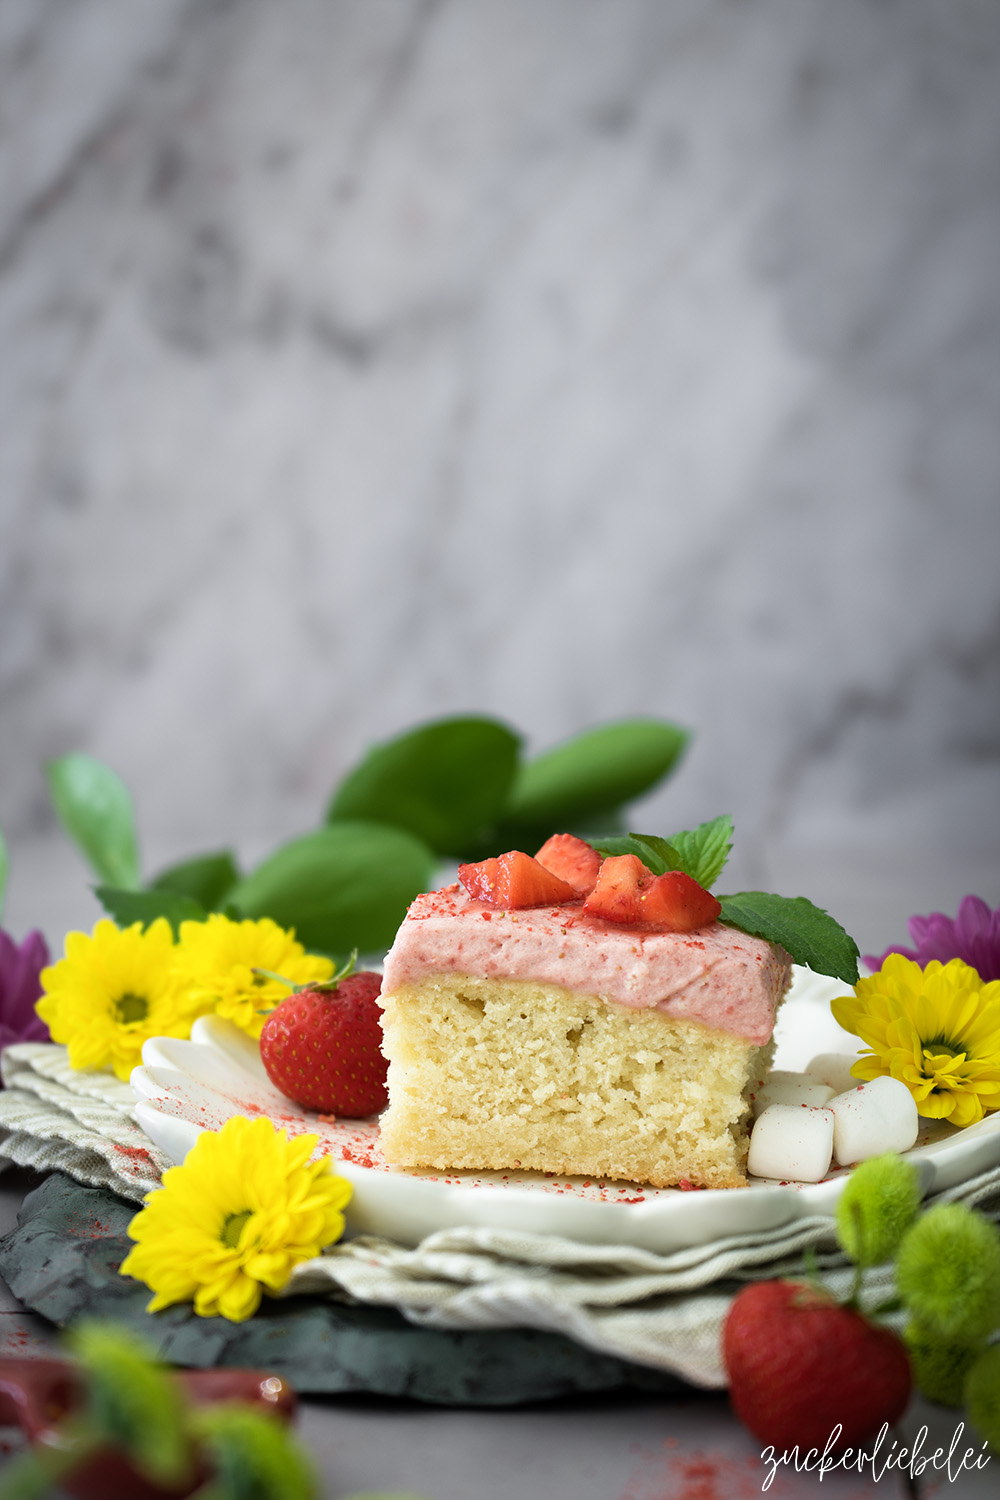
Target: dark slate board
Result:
[62, 1261]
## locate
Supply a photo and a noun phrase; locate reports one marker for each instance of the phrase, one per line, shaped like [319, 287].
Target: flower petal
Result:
[934, 1027]
[289, 1208]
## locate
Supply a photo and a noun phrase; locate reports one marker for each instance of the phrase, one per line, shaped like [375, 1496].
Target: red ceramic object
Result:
[35, 1394]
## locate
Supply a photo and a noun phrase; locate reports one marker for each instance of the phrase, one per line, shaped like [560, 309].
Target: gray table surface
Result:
[598, 1448]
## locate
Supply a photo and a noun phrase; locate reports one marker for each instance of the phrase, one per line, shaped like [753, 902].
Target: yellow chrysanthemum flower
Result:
[216, 960]
[244, 1208]
[936, 1029]
[111, 992]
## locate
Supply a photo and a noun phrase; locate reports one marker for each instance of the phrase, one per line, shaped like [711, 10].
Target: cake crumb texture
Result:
[488, 1074]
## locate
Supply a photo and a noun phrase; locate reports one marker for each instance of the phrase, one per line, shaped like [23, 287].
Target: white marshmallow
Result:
[780, 1087]
[872, 1118]
[834, 1068]
[792, 1142]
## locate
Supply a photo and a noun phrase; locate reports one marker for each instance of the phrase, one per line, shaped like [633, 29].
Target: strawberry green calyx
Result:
[326, 985]
[810, 1292]
[329, 985]
[811, 1281]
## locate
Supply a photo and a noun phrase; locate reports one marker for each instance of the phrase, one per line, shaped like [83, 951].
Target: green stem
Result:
[347, 967]
[855, 1294]
[812, 1271]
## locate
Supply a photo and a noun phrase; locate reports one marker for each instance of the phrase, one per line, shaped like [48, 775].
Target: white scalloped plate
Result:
[185, 1087]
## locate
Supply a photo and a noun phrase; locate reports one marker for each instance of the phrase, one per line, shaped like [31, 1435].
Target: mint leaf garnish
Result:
[660, 855]
[656, 854]
[700, 852]
[807, 932]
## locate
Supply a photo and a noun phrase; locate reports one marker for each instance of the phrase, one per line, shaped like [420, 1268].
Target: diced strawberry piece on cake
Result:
[480, 880]
[513, 881]
[615, 896]
[630, 894]
[676, 903]
[572, 859]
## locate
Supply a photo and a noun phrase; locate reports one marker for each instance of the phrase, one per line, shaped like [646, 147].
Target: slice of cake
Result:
[548, 1037]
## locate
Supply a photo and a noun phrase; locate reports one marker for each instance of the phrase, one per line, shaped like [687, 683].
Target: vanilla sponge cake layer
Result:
[494, 1074]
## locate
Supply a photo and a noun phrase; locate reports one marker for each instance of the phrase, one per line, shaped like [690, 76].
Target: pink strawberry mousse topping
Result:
[716, 975]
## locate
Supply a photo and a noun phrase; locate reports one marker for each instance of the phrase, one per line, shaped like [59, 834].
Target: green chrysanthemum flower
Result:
[982, 1396]
[877, 1206]
[939, 1366]
[948, 1273]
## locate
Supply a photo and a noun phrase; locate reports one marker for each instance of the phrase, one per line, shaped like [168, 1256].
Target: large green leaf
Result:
[209, 878]
[95, 807]
[4, 867]
[445, 782]
[346, 886]
[127, 907]
[582, 782]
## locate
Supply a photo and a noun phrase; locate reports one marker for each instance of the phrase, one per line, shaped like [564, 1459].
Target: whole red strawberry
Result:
[800, 1365]
[322, 1046]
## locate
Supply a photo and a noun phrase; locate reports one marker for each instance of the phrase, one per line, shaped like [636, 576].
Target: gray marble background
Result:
[367, 360]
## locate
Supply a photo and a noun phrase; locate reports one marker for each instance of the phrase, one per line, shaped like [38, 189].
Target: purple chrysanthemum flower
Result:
[973, 936]
[20, 987]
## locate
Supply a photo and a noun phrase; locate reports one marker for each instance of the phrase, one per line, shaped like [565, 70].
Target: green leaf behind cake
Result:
[458, 787]
[95, 807]
[445, 782]
[127, 907]
[207, 879]
[343, 887]
[583, 783]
